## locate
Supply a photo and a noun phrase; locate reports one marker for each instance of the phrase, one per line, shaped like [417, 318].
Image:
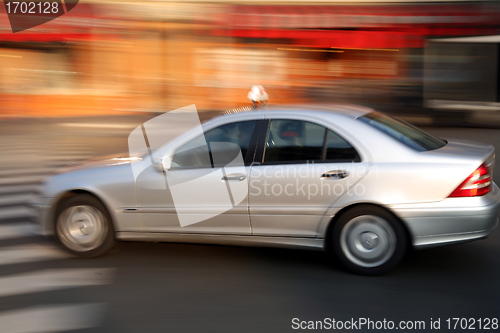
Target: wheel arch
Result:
[334, 219]
[74, 192]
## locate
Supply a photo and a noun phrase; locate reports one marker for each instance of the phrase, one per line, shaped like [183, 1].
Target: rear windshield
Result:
[403, 132]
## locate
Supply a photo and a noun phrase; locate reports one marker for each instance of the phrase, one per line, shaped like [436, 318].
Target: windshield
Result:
[403, 132]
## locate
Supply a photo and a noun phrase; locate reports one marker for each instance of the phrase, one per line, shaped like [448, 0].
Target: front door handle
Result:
[335, 174]
[235, 176]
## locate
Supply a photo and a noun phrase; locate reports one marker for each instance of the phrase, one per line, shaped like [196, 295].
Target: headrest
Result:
[290, 130]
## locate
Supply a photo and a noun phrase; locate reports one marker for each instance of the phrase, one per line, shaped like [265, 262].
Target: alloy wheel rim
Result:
[82, 228]
[368, 241]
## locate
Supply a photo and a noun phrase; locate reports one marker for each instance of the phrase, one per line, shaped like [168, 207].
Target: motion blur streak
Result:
[16, 230]
[53, 318]
[29, 253]
[75, 87]
[53, 279]
[110, 57]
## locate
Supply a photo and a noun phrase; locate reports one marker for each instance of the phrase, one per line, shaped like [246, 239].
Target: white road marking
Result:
[19, 179]
[30, 253]
[13, 212]
[20, 189]
[17, 230]
[16, 199]
[22, 180]
[52, 318]
[54, 279]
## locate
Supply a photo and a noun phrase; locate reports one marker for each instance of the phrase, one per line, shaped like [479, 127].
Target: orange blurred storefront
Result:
[105, 58]
[368, 54]
[40, 69]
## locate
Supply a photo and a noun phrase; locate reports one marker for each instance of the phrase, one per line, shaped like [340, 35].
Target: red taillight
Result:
[477, 184]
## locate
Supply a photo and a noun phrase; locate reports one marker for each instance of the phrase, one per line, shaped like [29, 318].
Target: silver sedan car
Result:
[359, 184]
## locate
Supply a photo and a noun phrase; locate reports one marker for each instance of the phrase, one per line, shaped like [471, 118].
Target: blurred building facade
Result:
[112, 57]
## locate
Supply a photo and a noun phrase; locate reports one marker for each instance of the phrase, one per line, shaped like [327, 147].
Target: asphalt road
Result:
[160, 287]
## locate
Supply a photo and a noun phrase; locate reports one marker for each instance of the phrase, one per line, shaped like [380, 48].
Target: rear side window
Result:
[293, 141]
[403, 132]
[297, 141]
[339, 150]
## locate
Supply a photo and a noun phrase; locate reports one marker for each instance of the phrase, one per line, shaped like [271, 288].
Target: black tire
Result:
[369, 240]
[83, 226]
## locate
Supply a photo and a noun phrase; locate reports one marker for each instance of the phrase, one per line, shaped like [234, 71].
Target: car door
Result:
[207, 185]
[303, 169]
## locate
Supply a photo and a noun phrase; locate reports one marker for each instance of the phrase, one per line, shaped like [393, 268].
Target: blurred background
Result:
[75, 87]
[112, 57]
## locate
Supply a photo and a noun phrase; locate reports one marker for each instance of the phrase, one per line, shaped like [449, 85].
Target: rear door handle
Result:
[235, 176]
[335, 174]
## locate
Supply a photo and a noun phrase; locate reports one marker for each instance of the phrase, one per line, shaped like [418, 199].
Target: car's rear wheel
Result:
[83, 226]
[369, 240]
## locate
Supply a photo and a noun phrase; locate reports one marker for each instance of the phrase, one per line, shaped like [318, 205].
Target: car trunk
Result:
[467, 150]
[471, 155]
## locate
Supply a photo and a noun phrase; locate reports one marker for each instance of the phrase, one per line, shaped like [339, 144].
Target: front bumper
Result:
[452, 220]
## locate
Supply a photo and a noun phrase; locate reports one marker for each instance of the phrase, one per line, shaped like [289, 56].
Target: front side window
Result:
[217, 147]
[297, 141]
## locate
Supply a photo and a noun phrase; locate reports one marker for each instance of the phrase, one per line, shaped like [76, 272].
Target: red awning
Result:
[352, 39]
[341, 16]
[395, 26]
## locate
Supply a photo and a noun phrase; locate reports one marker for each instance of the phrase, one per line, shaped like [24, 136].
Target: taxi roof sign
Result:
[258, 94]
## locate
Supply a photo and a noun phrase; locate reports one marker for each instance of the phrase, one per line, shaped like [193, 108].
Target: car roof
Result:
[351, 111]
[347, 110]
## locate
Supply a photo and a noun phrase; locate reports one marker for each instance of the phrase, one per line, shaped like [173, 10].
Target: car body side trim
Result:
[236, 210]
[264, 241]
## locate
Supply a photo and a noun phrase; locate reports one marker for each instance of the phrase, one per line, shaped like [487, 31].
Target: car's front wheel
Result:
[83, 226]
[369, 240]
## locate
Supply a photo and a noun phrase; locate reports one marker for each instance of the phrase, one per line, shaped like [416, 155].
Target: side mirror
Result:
[162, 163]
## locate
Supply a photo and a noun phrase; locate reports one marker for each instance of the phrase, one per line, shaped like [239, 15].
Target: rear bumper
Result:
[452, 220]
